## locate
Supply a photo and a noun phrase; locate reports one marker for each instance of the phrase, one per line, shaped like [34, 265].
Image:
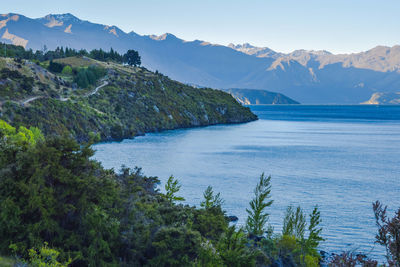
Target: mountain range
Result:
[307, 76]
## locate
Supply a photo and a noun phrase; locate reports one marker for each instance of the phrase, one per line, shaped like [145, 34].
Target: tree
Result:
[171, 187]
[132, 58]
[257, 217]
[314, 231]
[211, 200]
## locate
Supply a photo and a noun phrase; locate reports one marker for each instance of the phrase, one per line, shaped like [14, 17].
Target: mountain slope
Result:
[307, 76]
[126, 102]
[384, 99]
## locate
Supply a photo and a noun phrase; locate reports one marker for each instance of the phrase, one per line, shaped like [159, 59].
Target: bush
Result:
[67, 70]
[45, 257]
[55, 67]
[175, 246]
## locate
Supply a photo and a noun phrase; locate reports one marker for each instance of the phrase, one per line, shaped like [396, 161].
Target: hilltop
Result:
[115, 101]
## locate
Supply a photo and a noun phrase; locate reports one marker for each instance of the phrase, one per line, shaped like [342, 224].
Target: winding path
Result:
[24, 102]
[105, 83]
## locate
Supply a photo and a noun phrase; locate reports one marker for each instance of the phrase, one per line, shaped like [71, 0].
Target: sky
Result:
[338, 26]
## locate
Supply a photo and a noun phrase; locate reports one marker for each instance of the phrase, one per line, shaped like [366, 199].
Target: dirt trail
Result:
[24, 102]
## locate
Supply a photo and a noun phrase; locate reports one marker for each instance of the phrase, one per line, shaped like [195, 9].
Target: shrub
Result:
[175, 246]
[67, 70]
[388, 233]
[55, 67]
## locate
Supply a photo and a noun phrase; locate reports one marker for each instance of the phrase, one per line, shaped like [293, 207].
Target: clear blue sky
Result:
[339, 26]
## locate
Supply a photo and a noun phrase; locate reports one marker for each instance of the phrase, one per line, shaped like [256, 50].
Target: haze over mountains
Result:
[306, 76]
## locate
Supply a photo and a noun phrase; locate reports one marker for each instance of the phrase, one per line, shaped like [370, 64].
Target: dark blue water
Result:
[340, 157]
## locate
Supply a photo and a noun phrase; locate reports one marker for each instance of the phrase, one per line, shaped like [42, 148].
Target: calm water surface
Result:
[340, 157]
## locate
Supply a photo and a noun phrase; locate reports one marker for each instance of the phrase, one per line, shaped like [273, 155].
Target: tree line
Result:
[131, 57]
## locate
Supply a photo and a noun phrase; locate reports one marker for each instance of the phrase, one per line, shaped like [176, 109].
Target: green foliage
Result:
[55, 67]
[53, 192]
[211, 200]
[45, 257]
[233, 249]
[175, 246]
[67, 70]
[22, 137]
[132, 58]
[294, 223]
[208, 256]
[314, 230]
[304, 250]
[257, 217]
[88, 76]
[311, 261]
[102, 55]
[44, 55]
[211, 223]
[171, 188]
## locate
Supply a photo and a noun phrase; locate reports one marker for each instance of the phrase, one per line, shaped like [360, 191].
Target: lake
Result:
[342, 158]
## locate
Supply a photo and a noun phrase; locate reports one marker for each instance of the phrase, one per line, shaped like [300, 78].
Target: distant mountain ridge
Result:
[384, 99]
[307, 76]
[259, 97]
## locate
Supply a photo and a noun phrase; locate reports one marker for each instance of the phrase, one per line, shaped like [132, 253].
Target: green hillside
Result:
[80, 96]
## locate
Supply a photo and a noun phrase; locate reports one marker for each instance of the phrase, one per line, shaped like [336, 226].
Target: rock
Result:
[255, 238]
[221, 110]
[233, 218]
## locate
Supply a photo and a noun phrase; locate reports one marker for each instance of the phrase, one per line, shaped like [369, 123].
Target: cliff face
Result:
[127, 102]
[384, 99]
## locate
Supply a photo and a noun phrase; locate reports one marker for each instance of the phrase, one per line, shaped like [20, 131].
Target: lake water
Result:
[342, 158]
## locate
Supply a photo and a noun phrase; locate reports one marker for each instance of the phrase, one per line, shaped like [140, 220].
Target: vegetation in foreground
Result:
[60, 208]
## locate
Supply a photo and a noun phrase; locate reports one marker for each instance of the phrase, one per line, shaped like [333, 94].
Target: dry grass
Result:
[77, 62]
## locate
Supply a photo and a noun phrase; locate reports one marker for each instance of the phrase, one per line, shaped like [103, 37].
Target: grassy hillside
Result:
[131, 101]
